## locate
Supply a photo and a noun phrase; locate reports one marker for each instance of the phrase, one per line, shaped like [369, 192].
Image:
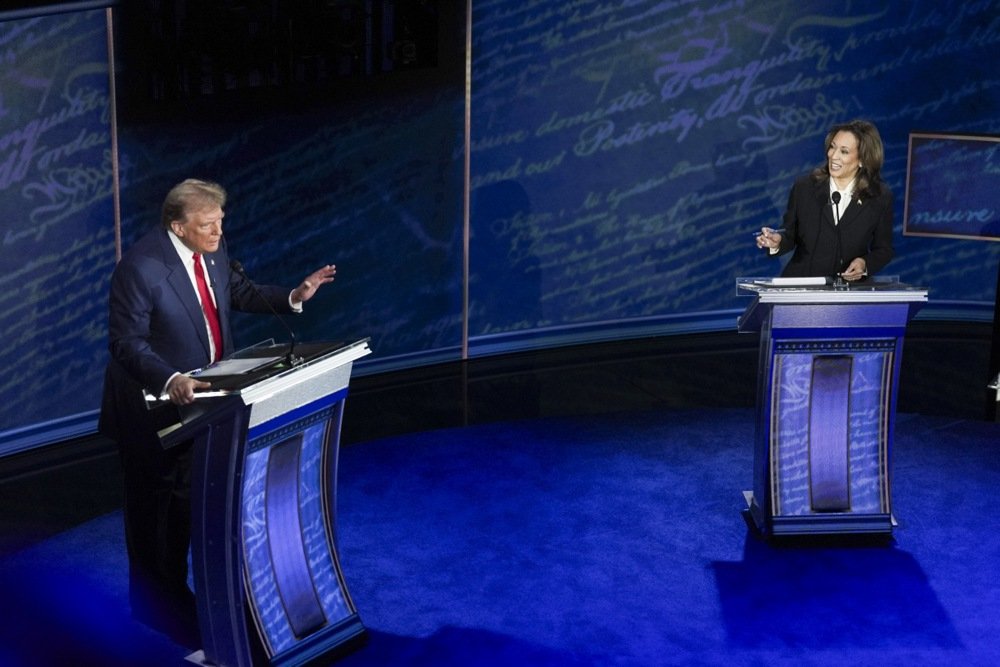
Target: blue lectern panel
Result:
[285, 539]
[867, 425]
[829, 433]
[292, 579]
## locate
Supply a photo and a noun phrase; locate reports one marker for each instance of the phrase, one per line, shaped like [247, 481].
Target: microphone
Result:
[290, 357]
[835, 198]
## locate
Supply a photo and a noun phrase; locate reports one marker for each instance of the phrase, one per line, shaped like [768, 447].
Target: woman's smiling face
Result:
[842, 156]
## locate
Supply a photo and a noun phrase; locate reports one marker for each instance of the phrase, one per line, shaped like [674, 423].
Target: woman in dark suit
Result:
[839, 217]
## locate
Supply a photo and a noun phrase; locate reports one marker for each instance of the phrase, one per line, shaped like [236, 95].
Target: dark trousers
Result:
[158, 529]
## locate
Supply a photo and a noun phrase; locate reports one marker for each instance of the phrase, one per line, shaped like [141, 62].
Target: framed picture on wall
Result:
[952, 186]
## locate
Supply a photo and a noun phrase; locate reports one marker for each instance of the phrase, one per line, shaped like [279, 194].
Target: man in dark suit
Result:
[839, 217]
[169, 305]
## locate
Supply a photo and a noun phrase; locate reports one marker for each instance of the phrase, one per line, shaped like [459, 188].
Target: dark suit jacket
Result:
[865, 230]
[156, 328]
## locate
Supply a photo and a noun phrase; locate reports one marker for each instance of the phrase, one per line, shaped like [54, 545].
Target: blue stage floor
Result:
[602, 540]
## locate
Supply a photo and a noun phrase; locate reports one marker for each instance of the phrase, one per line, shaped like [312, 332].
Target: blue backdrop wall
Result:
[624, 152]
[57, 245]
[621, 155]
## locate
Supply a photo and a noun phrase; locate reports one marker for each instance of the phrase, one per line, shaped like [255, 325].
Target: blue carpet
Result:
[609, 540]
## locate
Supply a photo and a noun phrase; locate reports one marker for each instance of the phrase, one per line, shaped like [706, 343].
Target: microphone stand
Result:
[291, 359]
[838, 279]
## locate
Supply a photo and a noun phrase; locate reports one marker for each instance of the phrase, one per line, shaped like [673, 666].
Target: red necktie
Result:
[208, 306]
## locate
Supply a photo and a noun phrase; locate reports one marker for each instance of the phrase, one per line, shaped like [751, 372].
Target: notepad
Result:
[805, 281]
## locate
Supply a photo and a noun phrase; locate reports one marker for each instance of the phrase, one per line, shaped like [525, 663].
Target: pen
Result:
[773, 231]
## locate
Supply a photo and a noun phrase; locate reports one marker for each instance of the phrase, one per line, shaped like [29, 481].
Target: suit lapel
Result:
[179, 281]
[822, 193]
[215, 277]
[852, 212]
[217, 265]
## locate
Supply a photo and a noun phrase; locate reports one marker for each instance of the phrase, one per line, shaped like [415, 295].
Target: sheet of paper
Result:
[793, 282]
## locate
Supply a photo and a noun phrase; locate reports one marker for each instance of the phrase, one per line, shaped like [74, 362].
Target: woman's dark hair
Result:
[870, 157]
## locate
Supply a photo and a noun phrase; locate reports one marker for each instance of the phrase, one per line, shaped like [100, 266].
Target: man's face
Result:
[201, 230]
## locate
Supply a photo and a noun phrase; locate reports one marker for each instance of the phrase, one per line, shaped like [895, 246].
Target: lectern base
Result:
[832, 523]
[326, 646]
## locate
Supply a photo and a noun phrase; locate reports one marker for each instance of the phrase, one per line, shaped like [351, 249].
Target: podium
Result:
[268, 581]
[827, 381]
